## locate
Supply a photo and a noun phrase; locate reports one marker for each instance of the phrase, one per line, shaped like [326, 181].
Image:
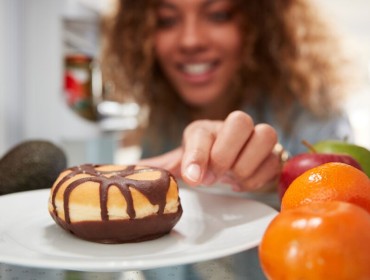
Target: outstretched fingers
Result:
[234, 151]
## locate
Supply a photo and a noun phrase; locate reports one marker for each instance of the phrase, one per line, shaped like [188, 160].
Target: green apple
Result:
[359, 153]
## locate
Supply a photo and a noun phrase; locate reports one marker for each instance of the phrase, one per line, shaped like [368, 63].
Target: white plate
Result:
[212, 226]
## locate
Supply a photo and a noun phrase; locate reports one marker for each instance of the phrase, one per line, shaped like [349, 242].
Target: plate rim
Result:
[113, 265]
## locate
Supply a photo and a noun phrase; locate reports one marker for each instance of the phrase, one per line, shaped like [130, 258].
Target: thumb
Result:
[170, 161]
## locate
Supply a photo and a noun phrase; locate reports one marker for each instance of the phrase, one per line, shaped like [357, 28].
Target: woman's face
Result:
[198, 45]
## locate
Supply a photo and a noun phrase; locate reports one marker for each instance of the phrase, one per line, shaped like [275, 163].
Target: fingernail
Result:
[193, 172]
[209, 178]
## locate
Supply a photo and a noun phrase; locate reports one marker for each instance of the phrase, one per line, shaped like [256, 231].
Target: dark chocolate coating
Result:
[123, 231]
[119, 231]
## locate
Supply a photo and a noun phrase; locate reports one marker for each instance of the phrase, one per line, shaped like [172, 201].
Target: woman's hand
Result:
[234, 151]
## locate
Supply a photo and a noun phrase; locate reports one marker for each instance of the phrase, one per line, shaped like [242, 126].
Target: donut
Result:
[115, 203]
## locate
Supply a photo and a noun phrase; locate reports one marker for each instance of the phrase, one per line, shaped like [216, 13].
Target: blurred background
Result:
[48, 51]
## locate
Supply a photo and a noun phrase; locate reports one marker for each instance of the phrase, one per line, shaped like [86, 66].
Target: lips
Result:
[198, 72]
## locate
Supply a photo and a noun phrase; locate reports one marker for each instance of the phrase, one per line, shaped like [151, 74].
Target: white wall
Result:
[31, 75]
[11, 103]
[352, 19]
[46, 114]
[2, 76]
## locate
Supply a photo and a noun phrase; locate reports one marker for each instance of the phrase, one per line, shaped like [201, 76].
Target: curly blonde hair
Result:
[290, 55]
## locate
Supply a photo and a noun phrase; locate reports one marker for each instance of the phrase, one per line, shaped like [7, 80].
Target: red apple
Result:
[298, 164]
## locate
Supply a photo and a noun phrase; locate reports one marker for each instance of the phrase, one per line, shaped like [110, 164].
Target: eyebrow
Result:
[208, 2]
[167, 4]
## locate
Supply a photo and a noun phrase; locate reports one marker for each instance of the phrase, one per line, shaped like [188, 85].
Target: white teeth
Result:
[196, 69]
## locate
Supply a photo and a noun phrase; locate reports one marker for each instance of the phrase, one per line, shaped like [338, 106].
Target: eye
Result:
[220, 16]
[166, 21]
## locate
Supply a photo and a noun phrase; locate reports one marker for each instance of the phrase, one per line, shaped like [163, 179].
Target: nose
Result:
[192, 36]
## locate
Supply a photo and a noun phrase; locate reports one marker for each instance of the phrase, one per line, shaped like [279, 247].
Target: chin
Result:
[201, 97]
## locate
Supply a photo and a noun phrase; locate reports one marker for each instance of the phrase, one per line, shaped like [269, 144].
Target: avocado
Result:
[31, 165]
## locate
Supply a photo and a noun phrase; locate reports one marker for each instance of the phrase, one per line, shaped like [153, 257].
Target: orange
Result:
[320, 241]
[327, 182]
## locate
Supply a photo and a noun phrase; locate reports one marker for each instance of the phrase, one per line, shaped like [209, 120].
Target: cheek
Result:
[230, 50]
[162, 47]
[230, 42]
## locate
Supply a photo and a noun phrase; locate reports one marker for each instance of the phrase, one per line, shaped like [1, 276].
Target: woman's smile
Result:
[198, 73]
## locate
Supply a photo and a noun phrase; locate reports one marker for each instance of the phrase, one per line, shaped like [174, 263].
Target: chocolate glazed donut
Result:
[115, 204]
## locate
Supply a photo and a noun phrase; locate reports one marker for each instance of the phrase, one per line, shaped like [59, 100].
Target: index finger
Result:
[198, 140]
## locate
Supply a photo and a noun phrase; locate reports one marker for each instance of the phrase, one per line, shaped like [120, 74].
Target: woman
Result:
[225, 80]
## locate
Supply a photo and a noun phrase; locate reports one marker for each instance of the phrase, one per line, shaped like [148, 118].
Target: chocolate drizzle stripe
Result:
[154, 190]
[70, 188]
[103, 193]
[129, 201]
[74, 171]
